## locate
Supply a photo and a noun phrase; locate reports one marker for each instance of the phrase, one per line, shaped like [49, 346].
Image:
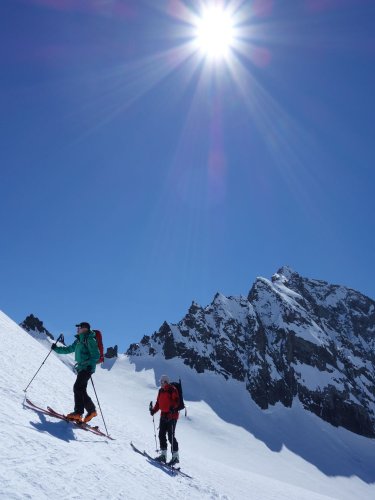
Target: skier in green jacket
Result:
[87, 355]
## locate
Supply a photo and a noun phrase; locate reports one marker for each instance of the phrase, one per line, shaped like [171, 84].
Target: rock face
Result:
[111, 352]
[291, 337]
[35, 327]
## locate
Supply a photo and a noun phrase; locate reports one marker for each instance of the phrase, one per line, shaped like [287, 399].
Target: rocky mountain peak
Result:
[194, 308]
[291, 338]
[287, 272]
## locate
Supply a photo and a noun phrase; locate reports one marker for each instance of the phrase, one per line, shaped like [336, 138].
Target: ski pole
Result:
[156, 444]
[172, 444]
[43, 362]
[99, 405]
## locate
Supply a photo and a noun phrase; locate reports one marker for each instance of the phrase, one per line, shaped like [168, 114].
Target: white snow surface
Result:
[231, 448]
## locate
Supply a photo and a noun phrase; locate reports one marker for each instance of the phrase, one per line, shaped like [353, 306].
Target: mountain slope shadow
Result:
[334, 451]
[108, 363]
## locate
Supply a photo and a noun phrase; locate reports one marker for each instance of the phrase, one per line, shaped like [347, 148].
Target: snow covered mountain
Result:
[232, 449]
[292, 338]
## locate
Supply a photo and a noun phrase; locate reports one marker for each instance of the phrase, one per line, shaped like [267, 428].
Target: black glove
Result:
[151, 410]
[53, 346]
[173, 410]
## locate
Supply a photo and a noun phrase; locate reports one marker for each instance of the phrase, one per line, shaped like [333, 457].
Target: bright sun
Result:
[215, 33]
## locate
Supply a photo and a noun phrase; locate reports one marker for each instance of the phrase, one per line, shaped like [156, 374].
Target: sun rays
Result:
[216, 49]
[200, 44]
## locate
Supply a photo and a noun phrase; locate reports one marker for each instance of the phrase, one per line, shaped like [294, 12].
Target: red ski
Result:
[52, 413]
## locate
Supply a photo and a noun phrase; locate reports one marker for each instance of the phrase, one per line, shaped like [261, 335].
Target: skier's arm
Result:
[65, 350]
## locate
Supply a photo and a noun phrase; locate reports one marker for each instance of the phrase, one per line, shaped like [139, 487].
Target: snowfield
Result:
[231, 448]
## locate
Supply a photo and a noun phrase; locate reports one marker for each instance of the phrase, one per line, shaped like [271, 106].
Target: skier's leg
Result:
[163, 441]
[174, 444]
[172, 435]
[163, 427]
[87, 401]
[81, 398]
[78, 390]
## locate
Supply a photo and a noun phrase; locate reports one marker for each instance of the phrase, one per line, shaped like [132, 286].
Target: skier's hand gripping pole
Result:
[150, 408]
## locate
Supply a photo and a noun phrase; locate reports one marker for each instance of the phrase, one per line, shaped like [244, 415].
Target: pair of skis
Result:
[171, 469]
[52, 413]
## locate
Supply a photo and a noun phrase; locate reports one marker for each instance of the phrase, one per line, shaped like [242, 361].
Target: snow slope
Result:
[231, 448]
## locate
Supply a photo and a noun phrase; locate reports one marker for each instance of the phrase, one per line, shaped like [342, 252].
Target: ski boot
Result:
[74, 416]
[162, 458]
[175, 459]
[89, 416]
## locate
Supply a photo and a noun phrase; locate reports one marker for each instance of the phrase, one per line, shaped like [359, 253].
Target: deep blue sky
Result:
[131, 185]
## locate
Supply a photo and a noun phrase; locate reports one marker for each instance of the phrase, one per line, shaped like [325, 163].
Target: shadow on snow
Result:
[334, 451]
[58, 429]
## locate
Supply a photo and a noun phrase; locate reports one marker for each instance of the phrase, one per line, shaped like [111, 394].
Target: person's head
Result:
[164, 380]
[83, 327]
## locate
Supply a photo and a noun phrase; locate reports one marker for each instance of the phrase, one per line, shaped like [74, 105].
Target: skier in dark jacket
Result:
[87, 355]
[167, 402]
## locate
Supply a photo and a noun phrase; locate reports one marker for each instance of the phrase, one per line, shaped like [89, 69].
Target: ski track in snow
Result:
[44, 457]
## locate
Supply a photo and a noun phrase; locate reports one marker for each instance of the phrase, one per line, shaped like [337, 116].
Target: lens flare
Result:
[215, 32]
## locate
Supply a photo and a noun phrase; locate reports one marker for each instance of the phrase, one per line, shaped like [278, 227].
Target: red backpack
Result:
[99, 340]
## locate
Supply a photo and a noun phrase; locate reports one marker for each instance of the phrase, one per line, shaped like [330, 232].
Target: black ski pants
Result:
[82, 400]
[168, 427]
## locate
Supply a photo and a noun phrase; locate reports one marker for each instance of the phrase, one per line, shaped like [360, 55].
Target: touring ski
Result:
[172, 470]
[93, 428]
[52, 413]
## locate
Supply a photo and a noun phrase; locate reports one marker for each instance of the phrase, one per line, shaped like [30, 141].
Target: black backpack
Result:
[178, 386]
